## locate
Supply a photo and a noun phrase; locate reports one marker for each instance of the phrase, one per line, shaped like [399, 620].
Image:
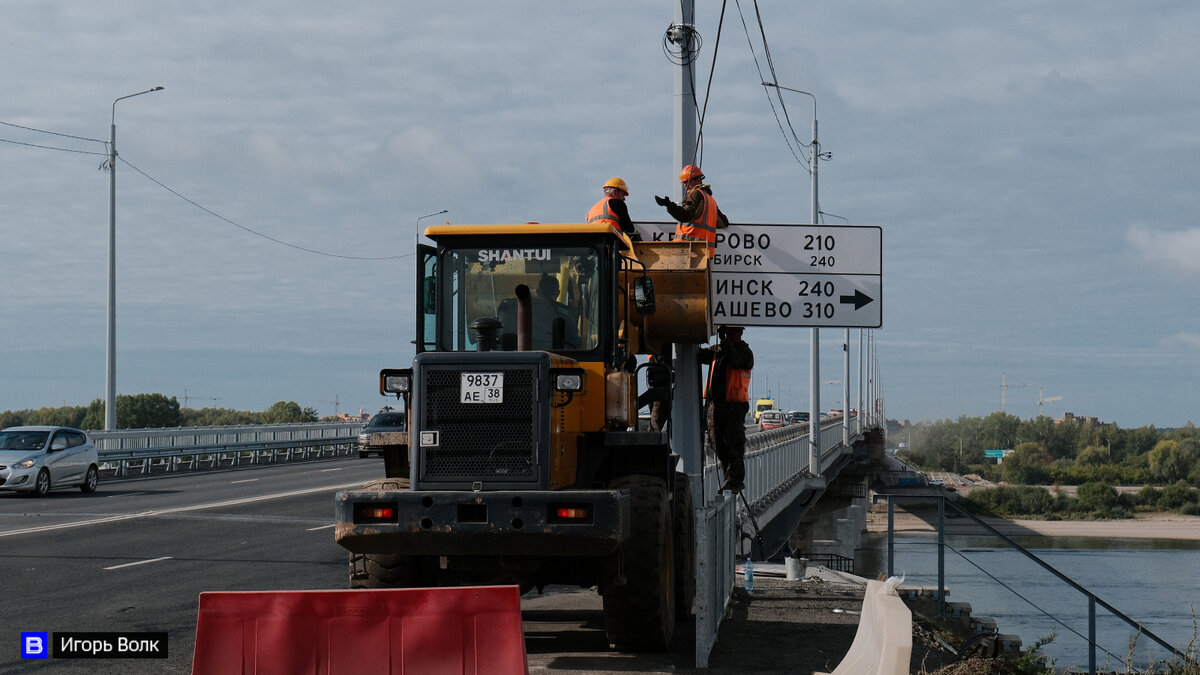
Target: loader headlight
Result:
[393, 381]
[568, 380]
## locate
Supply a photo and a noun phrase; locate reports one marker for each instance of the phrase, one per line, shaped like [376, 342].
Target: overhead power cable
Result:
[798, 154]
[255, 232]
[51, 147]
[53, 133]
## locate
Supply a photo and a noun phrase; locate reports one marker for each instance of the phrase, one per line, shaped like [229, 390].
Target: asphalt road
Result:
[136, 554]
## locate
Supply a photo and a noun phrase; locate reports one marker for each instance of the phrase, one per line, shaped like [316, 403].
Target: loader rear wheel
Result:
[385, 570]
[685, 547]
[639, 615]
[382, 570]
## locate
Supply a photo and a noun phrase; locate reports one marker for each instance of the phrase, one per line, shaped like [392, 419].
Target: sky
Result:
[1033, 167]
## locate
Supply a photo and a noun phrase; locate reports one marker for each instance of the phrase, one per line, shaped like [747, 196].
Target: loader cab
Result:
[481, 271]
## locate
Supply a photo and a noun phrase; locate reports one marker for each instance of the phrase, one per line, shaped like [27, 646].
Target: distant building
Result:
[360, 417]
[1080, 419]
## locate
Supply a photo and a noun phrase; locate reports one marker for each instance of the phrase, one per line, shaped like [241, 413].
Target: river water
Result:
[1152, 581]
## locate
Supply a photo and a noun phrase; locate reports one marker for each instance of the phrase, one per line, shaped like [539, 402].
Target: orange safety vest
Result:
[704, 227]
[737, 384]
[600, 213]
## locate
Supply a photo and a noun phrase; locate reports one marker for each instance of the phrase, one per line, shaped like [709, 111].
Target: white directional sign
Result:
[795, 275]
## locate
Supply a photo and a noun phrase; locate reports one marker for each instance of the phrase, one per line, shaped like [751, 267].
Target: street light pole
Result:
[814, 403]
[110, 380]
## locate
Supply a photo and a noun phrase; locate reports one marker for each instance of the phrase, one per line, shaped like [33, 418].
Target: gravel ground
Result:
[780, 627]
[788, 627]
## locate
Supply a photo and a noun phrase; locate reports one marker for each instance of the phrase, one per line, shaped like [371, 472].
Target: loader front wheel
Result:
[685, 547]
[639, 615]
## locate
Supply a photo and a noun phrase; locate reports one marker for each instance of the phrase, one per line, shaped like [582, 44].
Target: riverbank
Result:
[1144, 526]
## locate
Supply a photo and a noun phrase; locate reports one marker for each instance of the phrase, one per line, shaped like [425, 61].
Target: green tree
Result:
[136, 411]
[1097, 497]
[1170, 462]
[1176, 495]
[285, 412]
[1093, 455]
[10, 418]
[1025, 465]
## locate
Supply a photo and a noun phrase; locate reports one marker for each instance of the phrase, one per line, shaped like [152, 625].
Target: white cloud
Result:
[1189, 341]
[1175, 250]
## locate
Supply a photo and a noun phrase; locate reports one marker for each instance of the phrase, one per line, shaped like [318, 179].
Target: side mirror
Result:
[58, 444]
[643, 295]
[430, 295]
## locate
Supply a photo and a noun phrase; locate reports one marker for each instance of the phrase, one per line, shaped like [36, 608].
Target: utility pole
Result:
[686, 437]
[110, 366]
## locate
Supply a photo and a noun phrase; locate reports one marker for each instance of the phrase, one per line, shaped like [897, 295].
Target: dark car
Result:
[795, 417]
[388, 429]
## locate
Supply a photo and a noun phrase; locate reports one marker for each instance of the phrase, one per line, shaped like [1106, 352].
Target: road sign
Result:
[798, 275]
[794, 275]
[993, 454]
[780, 299]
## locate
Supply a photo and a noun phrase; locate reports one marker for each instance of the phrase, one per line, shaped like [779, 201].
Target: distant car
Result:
[937, 482]
[770, 419]
[388, 429]
[795, 417]
[39, 459]
[762, 405]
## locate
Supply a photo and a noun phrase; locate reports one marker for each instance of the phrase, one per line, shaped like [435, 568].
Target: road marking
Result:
[247, 480]
[323, 527]
[140, 562]
[179, 509]
[125, 494]
[328, 470]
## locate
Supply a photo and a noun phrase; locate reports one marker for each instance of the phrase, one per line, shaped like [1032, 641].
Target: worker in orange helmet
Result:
[611, 208]
[698, 215]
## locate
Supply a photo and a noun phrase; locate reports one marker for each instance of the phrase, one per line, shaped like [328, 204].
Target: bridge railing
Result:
[777, 462]
[128, 452]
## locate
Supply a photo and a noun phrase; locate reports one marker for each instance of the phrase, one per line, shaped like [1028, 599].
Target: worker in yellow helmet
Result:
[611, 208]
[698, 215]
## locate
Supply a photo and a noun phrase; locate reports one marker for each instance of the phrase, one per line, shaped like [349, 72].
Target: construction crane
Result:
[199, 398]
[1004, 385]
[1043, 399]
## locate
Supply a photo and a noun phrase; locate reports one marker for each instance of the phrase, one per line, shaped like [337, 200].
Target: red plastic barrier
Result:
[413, 630]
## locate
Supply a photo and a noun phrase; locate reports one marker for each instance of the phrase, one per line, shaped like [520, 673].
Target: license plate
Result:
[481, 388]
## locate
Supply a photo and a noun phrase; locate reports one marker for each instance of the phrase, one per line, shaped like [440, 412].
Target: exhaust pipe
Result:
[524, 319]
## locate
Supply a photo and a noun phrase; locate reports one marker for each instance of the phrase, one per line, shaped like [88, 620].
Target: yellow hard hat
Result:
[615, 182]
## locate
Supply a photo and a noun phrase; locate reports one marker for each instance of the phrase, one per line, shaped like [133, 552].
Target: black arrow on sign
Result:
[858, 299]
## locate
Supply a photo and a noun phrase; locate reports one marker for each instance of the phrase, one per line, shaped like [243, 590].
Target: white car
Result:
[38, 459]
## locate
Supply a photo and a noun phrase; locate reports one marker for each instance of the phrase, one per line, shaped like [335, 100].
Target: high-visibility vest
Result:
[704, 227]
[601, 213]
[737, 384]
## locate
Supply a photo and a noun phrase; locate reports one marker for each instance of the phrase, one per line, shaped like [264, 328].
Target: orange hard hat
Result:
[689, 172]
[615, 182]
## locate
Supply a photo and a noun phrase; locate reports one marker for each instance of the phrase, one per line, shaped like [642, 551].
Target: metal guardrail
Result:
[128, 452]
[777, 463]
[940, 598]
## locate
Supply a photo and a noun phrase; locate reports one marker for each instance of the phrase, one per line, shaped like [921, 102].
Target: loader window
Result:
[563, 283]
